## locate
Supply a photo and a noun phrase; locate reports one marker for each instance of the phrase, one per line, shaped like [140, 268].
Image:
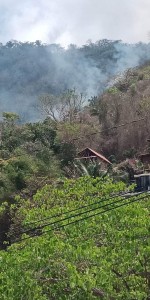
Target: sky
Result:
[74, 21]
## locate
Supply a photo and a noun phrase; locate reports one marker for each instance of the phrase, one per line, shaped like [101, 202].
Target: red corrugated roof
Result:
[97, 154]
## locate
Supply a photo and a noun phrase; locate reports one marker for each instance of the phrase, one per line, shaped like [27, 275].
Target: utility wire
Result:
[121, 194]
[76, 215]
[82, 219]
[110, 128]
[73, 210]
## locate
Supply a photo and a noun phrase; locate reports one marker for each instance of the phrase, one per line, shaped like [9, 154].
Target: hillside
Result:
[128, 99]
[32, 153]
[29, 70]
[71, 230]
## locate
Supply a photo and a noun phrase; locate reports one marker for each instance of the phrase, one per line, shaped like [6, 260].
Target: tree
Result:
[64, 107]
[10, 117]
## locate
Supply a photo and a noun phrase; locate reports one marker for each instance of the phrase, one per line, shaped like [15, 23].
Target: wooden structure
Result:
[142, 182]
[89, 154]
[145, 158]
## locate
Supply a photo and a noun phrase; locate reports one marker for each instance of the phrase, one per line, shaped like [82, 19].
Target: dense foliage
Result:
[27, 155]
[105, 256]
[126, 101]
[46, 253]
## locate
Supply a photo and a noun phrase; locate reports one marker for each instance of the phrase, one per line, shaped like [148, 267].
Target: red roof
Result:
[96, 154]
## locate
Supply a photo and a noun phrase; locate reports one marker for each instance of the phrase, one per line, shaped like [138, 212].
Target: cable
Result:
[121, 194]
[82, 219]
[73, 210]
[110, 128]
[76, 215]
[80, 207]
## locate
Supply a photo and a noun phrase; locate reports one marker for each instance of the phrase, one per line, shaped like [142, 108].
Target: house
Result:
[142, 182]
[89, 154]
[145, 159]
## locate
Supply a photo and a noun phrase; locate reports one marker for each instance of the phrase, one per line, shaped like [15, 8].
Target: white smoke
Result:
[74, 21]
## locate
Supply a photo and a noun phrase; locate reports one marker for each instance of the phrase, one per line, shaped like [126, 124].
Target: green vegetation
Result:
[26, 154]
[50, 247]
[105, 256]
[113, 90]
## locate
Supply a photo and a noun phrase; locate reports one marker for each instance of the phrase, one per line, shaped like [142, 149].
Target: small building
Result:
[142, 182]
[145, 158]
[89, 154]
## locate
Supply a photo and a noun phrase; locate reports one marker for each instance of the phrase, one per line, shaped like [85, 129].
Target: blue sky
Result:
[74, 21]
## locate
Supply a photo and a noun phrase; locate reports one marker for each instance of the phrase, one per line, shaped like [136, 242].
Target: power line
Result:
[82, 219]
[70, 211]
[81, 207]
[110, 128]
[76, 215]
[121, 194]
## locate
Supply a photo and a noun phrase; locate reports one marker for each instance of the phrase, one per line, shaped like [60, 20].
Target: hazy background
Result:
[29, 69]
[74, 21]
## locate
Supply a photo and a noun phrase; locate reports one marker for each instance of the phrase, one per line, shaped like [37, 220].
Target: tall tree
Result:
[65, 107]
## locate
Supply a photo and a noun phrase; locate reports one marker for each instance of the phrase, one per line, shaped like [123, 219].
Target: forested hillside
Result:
[126, 101]
[31, 69]
[72, 229]
[116, 124]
